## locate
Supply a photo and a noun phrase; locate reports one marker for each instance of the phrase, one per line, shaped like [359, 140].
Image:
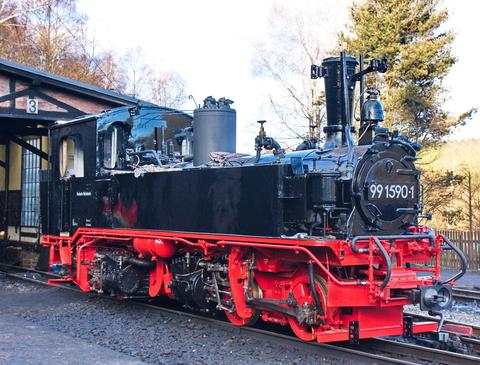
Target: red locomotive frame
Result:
[271, 277]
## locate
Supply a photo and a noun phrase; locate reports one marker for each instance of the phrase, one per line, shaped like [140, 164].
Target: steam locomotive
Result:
[143, 201]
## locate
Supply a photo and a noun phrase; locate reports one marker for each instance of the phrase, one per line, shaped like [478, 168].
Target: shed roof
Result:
[66, 83]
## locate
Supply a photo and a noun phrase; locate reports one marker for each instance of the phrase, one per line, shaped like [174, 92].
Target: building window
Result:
[30, 185]
[71, 158]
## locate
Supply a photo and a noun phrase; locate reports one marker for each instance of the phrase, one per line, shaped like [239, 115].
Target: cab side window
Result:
[110, 148]
[71, 157]
[113, 148]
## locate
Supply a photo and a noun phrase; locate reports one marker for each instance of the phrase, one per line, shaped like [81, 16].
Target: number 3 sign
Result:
[32, 106]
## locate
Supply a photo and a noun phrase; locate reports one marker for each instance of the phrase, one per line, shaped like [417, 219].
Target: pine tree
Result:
[410, 33]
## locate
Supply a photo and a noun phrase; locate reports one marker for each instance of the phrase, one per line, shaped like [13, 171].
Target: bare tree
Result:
[469, 196]
[476, 208]
[438, 189]
[137, 73]
[12, 31]
[296, 40]
[165, 88]
[169, 89]
[9, 10]
[112, 73]
[52, 35]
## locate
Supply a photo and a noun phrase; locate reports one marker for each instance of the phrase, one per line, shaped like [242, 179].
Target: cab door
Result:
[65, 215]
[74, 190]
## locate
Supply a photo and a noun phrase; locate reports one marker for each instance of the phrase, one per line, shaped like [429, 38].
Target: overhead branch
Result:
[18, 13]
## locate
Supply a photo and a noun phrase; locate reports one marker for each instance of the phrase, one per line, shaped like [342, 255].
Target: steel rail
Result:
[41, 282]
[466, 294]
[326, 349]
[420, 352]
[474, 343]
[16, 267]
[375, 345]
[476, 329]
[333, 350]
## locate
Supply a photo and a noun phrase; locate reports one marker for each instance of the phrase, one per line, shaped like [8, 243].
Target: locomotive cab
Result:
[78, 188]
[69, 177]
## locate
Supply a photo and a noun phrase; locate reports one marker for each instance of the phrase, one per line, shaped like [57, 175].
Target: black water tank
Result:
[214, 129]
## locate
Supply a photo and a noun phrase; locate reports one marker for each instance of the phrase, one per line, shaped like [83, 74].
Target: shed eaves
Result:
[69, 84]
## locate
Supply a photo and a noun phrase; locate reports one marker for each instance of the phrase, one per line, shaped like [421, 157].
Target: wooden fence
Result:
[469, 243]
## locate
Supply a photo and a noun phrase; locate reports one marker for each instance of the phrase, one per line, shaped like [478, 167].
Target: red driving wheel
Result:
[236, 320]
[302, 293]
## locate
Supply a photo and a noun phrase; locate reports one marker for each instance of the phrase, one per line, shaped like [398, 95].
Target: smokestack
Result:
[335, 99]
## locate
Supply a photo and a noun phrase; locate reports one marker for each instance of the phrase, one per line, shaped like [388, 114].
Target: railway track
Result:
[466, 294]
[419, 352]
[372, 351]
[473, 342]
[476, 329]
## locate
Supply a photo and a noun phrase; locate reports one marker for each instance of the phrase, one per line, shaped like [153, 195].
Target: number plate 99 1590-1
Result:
[391, 191]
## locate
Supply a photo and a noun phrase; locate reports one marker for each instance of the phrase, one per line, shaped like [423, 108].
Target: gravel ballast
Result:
[140, 335]
[150, 336]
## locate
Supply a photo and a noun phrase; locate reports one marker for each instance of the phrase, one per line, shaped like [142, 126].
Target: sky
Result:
[211, 44]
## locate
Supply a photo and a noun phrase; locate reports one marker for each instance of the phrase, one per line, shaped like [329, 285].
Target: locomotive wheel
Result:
[302, 293]
[236, 320]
